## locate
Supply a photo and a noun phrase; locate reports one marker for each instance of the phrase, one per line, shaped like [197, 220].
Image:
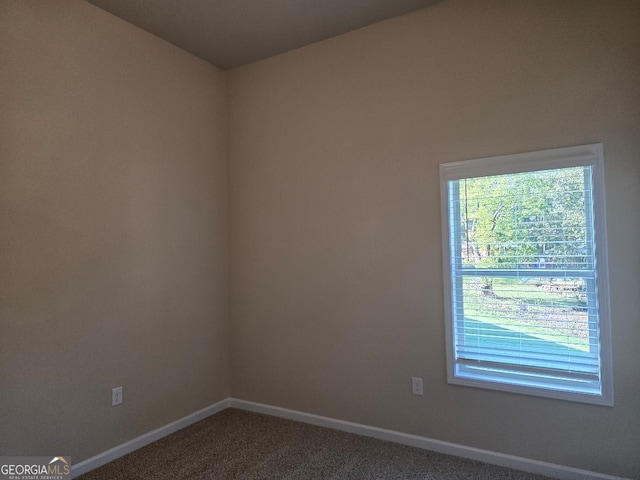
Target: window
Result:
[526, 274]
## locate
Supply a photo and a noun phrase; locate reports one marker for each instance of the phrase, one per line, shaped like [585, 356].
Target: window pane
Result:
[525, 221]
[539, 322]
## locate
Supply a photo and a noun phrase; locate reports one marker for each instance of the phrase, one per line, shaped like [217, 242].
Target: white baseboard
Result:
[139, 442]
[494, 458]
[487, 456]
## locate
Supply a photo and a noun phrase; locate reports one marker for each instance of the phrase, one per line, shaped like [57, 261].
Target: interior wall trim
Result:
[145, 439]
[495, 458]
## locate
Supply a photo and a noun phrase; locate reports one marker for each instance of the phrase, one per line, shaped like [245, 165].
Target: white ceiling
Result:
[230, 33]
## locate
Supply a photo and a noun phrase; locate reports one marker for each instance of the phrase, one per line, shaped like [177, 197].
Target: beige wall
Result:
[336, 243]
[113, 214]
[113, 241]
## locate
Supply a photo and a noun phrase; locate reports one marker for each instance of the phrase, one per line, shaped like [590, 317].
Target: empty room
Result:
[319, 239]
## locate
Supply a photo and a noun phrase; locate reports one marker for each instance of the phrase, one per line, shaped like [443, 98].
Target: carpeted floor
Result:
[236, 444]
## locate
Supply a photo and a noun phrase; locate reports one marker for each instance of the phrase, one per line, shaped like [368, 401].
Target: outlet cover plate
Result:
[416, 386]
[116, 396]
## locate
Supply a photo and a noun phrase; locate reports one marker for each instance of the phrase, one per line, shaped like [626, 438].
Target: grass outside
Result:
[549, 310]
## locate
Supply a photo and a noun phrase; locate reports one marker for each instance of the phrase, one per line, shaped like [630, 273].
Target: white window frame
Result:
[584, 155]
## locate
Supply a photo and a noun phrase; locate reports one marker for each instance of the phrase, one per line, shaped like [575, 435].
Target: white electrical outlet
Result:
[116, 396]
[416, 386]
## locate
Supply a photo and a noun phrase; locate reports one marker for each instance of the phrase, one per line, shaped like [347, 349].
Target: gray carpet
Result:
[236, 444]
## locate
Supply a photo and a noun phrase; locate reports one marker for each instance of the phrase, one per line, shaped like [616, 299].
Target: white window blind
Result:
[527, 309]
